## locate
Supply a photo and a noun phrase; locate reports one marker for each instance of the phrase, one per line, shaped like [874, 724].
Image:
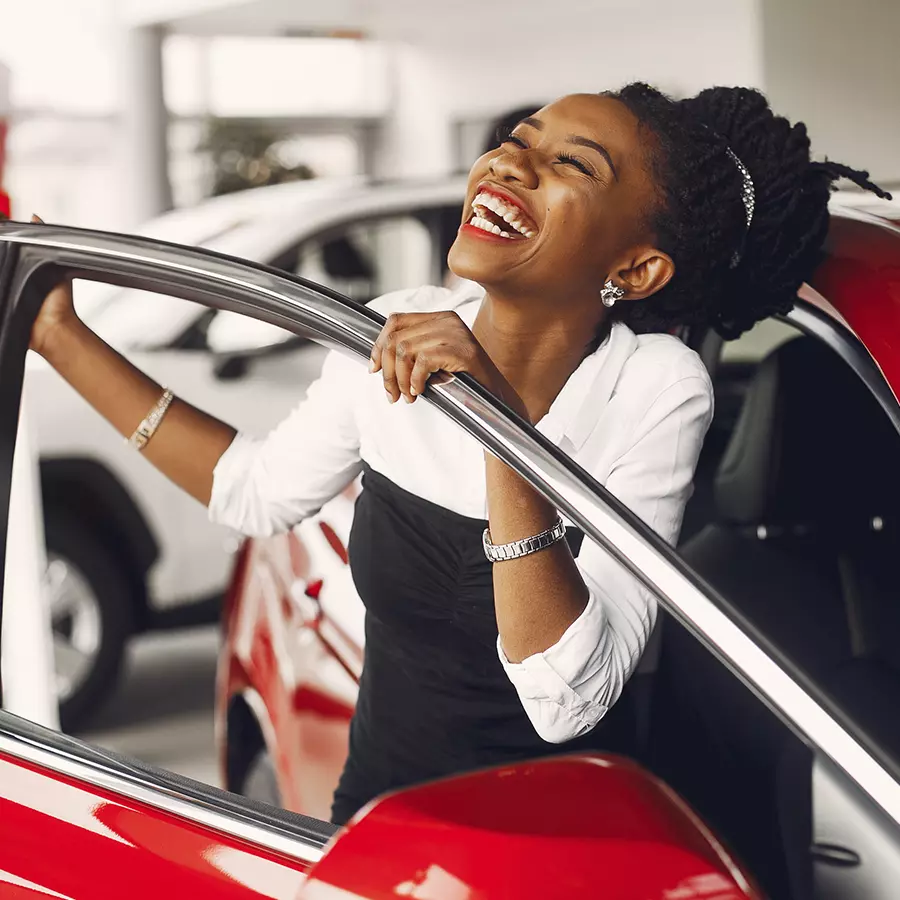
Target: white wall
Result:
[680, 48]
[836, 65]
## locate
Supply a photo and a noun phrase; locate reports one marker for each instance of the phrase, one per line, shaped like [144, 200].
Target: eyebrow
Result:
[579, 141]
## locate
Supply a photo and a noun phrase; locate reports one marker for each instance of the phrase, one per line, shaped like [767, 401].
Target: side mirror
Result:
[577, 827]
[343, 259]
[232, 367]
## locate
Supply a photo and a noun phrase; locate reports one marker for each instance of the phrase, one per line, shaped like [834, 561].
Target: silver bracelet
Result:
[516, 549]
[147, 428]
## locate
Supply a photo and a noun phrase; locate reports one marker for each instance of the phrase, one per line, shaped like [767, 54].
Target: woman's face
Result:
[560, 204]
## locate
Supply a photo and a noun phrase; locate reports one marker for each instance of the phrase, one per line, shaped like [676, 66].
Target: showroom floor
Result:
[162, 710]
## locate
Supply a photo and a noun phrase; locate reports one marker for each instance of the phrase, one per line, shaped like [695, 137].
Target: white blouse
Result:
[634, 414]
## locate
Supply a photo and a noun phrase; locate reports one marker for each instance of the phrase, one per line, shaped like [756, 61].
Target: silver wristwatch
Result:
[516, 549]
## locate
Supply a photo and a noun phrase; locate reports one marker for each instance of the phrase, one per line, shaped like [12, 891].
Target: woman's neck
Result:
[534, 346]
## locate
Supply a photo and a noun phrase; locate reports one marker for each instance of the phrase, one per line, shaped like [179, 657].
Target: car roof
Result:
[292, 220]
[212, 222]
[258, 225]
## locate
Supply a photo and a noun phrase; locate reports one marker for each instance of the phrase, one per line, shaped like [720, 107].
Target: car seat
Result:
[807, 497]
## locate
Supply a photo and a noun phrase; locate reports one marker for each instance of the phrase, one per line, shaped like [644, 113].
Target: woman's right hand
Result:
[57, 312]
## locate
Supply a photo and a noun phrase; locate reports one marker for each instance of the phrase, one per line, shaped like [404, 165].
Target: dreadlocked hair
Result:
[728, 276]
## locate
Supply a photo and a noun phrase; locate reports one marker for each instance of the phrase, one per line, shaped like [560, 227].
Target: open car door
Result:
[77, 822]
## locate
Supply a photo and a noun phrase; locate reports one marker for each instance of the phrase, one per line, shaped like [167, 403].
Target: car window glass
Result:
[758, 342]
[127, 552]
[372, 258]
[141, 320]
[795, 518]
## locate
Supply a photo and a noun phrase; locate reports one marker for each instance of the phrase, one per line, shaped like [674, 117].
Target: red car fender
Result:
[573, 827]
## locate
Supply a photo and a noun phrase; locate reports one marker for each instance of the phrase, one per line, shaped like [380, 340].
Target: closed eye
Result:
[505, 136]
[565, 159]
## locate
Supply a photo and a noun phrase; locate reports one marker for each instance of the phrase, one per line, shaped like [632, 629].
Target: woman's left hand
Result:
[413, 346]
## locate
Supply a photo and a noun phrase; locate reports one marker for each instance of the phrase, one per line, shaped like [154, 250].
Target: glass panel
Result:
[795, 518]
[135, 572]
[370, 259]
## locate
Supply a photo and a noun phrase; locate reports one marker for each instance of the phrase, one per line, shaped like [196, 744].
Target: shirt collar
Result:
[574, 413]
[578, 406]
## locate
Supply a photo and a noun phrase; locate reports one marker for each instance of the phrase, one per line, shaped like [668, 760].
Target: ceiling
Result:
[415, 20]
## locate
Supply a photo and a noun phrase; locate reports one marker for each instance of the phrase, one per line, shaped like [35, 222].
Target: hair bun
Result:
[701, 219]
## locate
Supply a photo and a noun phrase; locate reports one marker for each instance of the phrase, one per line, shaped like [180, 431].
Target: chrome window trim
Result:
[319, 313]
[815, 322]
[192, 802]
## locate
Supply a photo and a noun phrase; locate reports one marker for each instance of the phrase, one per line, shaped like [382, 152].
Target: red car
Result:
[810, 798]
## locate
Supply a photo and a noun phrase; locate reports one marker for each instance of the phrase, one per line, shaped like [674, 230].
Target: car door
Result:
[805, 547]
[80, 822]
[181, 831]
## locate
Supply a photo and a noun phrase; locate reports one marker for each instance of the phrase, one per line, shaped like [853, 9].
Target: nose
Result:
[515, 166]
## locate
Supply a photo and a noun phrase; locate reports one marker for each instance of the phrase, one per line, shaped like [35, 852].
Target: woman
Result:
[598, 225]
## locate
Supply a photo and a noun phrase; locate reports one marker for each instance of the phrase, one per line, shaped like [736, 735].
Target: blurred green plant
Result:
[248, 155]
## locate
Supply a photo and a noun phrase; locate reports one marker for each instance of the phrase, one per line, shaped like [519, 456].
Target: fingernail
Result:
[408, 399]
[412, 390]
[371, 365]
[390, 396]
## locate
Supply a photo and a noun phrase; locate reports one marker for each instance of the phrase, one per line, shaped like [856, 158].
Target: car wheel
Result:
[91, 615]
[261, 782]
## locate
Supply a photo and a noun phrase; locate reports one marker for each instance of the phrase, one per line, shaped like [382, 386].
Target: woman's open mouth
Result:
[494, 215]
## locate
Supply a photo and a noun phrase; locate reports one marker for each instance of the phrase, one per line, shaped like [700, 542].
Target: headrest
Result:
[812, 446]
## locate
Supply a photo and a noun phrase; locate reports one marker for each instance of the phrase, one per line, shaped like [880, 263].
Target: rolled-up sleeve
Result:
[265, 485]
[567, 689]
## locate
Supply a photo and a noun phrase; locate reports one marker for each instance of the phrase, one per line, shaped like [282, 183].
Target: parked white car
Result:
[128, 551]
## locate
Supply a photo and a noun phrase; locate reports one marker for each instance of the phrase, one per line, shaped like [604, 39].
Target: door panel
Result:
[855, 853]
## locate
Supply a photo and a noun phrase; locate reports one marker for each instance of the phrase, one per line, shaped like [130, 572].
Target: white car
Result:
[127, 550]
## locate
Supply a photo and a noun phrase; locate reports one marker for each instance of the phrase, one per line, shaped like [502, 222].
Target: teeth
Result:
[507, 212]
[485, 225]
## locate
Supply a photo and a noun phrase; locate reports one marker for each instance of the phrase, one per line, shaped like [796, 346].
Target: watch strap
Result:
[525, 546]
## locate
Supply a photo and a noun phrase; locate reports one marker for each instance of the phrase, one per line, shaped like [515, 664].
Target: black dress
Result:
[433, 697]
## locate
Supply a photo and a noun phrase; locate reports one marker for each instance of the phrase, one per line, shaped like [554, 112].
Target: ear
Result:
[646, 272]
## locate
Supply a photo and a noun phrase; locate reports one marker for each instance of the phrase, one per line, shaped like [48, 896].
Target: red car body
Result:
[65, 837]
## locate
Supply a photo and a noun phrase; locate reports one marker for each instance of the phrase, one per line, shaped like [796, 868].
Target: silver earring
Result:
[611, 293]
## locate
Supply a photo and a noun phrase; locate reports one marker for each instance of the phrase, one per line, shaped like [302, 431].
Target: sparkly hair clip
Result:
[748, 196]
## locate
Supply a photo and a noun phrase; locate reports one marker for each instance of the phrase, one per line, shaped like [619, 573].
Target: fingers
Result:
[37, 219]
[411, 347]
[405, 357]
[387, 361]
[423, 369]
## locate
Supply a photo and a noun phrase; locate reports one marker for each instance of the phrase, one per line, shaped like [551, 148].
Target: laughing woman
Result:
[597, 226]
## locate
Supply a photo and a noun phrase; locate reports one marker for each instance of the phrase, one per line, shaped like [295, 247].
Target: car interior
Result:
[793, 521]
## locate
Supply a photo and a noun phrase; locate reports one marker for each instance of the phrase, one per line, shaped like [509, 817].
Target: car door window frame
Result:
[816, 323]
[42, 253]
